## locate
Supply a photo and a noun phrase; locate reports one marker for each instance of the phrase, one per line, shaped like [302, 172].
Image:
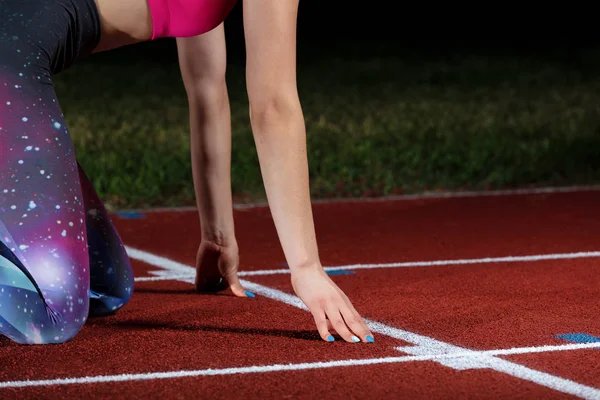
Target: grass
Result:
[380, 124]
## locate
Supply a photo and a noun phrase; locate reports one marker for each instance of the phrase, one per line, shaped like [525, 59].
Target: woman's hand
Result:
[329, 306]
[217, 269]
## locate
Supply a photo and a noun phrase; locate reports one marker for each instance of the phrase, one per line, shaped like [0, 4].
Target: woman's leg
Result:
[44, 265]
[111, 276]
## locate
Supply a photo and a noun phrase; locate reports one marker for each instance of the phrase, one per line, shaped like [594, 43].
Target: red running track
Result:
[482, 306]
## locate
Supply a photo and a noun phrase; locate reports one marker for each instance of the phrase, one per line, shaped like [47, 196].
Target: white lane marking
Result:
[182, 270]
[423, 344]
[576, 388]
[165, 277]
[410, 264]
[168, 266]
[426, 345]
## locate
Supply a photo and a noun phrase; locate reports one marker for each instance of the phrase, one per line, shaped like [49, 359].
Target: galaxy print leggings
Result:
[61, 259]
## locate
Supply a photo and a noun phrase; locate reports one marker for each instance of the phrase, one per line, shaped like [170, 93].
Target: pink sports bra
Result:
[185, 18]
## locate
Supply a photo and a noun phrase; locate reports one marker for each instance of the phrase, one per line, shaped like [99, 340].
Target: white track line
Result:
[581, 390]
[426, 345]
[487, 260]
[159, 261]
[183, 272]
[163, 278]
[423, 345]
[419, 196]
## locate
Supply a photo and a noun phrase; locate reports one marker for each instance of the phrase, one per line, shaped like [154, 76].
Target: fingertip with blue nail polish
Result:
[355, 339]
[330, 338]
[250, 294]
[370, 339]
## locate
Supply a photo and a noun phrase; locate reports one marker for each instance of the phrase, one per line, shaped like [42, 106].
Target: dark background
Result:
[398, 97]
[421, 30]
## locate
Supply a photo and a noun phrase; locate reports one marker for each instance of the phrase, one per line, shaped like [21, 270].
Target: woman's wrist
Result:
[221, 237]
[307, 266]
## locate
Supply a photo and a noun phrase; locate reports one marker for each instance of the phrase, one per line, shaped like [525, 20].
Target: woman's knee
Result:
[69, 328]
[42, 324]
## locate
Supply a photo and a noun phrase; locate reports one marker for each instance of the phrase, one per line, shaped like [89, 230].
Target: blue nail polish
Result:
[330, 338]
[370, 339]
[355, 339]
[250, 294]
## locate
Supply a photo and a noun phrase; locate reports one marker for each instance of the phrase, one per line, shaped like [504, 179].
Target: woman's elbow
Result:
[274, 109]
[206, 92]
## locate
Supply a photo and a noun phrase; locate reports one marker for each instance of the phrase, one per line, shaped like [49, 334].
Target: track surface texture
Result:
[479, 296]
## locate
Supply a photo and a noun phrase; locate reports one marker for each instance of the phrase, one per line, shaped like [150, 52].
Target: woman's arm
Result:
[278, 124]
[202, 61]
[280, 136]
[123, 23]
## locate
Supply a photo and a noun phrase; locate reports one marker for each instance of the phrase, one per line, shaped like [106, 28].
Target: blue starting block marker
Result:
[579, 338]
[339, 272]
[130, 215]
[333, 272]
